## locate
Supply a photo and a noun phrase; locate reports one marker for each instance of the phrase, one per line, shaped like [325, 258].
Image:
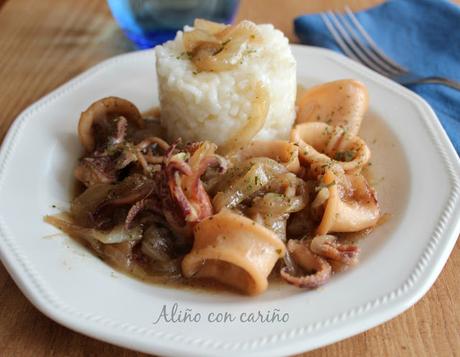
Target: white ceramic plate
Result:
[417, 173]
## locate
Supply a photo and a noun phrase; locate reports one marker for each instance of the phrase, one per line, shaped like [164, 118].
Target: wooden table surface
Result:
[44, 44]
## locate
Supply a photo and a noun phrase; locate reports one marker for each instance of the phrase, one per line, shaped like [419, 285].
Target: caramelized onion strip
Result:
[214, 51]
[256, 121]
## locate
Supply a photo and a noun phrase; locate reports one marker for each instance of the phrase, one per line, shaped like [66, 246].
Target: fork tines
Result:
[356, 43]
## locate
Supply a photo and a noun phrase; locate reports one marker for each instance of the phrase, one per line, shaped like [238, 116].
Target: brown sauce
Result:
[142, 273]
[139, 272]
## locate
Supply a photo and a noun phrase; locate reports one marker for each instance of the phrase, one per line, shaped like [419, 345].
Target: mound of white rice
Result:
[215, 105]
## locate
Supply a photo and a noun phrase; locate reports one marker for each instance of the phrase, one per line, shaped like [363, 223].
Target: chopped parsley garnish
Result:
[345, 156]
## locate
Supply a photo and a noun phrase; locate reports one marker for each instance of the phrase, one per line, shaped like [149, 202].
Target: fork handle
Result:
[433, 80]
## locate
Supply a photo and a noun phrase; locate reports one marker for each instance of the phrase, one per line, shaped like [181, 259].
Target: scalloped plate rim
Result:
[35, 290]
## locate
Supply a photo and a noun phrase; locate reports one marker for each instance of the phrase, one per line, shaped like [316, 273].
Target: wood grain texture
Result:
[44, 44]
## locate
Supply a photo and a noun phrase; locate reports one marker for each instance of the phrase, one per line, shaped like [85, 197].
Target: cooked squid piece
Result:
[351, 204]
[184, 200]
[339, 103]
[322, 145]
[103, 131]
[203, 157]
[183, 197]
[305, 269]
[101, 111]
[330, 247]
[284, 152]
[215, 47]
[235, 251]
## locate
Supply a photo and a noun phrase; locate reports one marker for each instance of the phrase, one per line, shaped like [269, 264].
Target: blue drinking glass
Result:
[150, 22]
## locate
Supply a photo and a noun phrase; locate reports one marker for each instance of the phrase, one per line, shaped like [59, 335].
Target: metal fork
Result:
[356, 43]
